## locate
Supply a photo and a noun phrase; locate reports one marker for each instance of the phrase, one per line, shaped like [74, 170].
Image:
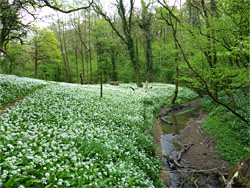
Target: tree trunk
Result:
[87, 64]
[62, 50]
[58, 73]
[10, 67]
[165, 34]
[177, 76]
[66, 57]
[76, 57]
[149, 58]
[23, 69]
[90, 52]
[36, 60]
[101, 85]
[114, 74]
[36, 67]
[133, 58]
[82, 58]
[90, 65]
[160, 61]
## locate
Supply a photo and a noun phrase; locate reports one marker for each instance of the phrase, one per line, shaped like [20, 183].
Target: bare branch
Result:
[99, 11]
[66, 11]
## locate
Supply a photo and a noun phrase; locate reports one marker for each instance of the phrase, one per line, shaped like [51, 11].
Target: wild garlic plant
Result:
[66, 136]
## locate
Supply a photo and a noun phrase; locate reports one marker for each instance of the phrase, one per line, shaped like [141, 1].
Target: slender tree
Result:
[145, 25]
[44, 47]
[126, 36]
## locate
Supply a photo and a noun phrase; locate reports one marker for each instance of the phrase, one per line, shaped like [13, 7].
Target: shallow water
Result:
[178, 121]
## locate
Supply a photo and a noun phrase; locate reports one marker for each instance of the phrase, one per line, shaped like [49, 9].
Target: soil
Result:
[201, 156]
[156, 134]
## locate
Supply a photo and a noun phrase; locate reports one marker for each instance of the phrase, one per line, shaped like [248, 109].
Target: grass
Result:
[233, 135]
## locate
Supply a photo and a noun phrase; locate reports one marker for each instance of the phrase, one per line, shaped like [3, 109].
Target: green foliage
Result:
[232, 134]
[11, 24]
[45, 44]
[66, 136]
[13, 88]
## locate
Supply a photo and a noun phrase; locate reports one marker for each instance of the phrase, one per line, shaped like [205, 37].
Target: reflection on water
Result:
[179, 119]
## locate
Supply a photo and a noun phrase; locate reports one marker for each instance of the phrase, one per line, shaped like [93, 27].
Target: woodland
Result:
[203, 45]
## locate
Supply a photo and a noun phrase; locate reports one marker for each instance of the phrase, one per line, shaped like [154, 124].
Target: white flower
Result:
[67, 183]
[43, 180]
[10, 146]
[14, 172]
[59, 183]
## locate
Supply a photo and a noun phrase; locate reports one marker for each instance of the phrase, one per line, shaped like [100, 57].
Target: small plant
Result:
[13, 88]
[65, 136]
[231, 132]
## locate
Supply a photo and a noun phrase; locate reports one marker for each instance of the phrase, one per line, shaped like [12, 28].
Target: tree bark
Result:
[62, 50]
[82, 59]
[101, 85]
[76, 57]
[66, 57]
[177, 76]
[134, 61]
[36, 60]
[90, 51]
[87, 64]
[114, 74]
[149, 59]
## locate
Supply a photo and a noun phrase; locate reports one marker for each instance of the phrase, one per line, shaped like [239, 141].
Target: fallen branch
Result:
[170, 159]
[166, 121]
[212, 170]
[223, 179]
[132, 88]
[183, 151]
[231, 181]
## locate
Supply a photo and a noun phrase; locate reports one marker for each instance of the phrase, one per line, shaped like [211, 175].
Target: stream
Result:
[202, 155]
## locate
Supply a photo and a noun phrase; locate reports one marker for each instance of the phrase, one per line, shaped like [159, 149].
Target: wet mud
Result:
[199, 163]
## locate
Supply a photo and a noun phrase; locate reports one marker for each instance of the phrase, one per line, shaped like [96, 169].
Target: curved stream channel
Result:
[173, 126]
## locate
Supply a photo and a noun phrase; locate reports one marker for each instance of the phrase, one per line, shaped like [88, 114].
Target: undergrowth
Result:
[233, 134]
[13, 87]
[66, 136]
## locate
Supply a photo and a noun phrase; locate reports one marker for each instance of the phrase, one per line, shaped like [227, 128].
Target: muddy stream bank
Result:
[180, 137]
